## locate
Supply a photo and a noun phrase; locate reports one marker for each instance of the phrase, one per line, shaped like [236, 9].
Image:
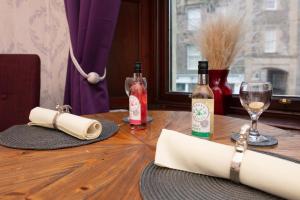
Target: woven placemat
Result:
[159, 183]
[39, 138]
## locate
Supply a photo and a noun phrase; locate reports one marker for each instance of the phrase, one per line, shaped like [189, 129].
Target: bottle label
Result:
[202, 117]
[134, 110]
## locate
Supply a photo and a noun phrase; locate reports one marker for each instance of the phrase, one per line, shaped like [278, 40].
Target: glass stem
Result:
[253, 130]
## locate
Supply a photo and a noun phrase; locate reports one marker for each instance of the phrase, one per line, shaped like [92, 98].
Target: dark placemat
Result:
[39, 138]
[126, 119]
[159, 183]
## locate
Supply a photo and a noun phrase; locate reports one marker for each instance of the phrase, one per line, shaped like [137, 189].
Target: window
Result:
[174, 81]
[180, 87]
[279, 79]
[266, 36]
[221, 9]
[193, 56]
[270, 4]
[270, 41]
[186, 82]
[193, 18]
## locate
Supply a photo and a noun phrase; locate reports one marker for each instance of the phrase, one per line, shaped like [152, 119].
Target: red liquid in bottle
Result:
[138, 103]
[138, 99]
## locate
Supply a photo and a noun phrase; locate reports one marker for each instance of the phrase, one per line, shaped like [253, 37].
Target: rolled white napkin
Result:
[268, 173]
[76, 126]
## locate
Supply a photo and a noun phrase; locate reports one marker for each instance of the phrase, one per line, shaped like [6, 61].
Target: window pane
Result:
[270, 41]
[193, 56]
[272, 50]
[270, 4]
[193, 18]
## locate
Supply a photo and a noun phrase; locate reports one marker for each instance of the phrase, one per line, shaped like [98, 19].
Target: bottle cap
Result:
[203, 67]
[138, 67]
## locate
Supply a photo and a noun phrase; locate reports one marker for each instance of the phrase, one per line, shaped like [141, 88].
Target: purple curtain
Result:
[92, 24]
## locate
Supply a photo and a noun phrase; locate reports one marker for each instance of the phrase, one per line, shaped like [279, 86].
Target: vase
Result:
[226, 90]
[214, 84]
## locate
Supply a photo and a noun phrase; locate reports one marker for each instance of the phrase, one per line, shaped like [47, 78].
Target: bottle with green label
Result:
[202, 104]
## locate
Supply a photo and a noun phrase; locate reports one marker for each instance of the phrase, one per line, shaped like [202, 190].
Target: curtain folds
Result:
[92, 24]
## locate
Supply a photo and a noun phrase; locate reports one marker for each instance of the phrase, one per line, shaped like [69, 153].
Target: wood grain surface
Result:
[109, 169]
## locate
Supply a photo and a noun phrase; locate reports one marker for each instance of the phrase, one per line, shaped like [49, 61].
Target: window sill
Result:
[280, 122]
[272, 118]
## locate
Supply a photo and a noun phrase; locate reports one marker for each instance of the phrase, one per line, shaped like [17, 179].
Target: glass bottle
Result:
[202, 104]
[138, 99]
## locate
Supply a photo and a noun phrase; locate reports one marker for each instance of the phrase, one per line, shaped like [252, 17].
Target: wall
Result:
[285, 21]
[131, 43]
[38, 27]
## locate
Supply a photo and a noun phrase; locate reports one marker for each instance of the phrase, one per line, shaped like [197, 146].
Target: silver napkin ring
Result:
[240, 148]
[60, 109]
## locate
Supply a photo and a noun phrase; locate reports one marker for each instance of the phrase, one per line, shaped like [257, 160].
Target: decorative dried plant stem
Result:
[220, 39]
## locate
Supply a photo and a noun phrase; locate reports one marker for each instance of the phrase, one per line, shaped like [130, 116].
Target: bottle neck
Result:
[137, 75]
[203, 79]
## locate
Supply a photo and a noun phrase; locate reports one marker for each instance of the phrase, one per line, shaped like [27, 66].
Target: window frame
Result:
[281, 106]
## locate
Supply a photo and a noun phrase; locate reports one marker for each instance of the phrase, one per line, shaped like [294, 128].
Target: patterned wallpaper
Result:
[38, 27]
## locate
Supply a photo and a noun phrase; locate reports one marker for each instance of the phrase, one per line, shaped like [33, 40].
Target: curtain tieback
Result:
[91, 77]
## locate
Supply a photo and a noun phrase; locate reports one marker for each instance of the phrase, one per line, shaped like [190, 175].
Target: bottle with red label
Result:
[138, 99]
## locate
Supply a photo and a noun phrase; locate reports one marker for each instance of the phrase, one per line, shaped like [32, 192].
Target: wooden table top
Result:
[109, 169]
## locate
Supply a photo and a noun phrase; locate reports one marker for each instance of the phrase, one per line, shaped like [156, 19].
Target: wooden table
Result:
[109, 169]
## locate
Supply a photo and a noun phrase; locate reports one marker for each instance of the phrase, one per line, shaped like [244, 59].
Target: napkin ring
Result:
[240, 148]
[60, 110]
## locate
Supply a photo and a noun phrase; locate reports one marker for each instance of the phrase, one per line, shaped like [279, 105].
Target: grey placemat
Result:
[158, 183]
[39, 138]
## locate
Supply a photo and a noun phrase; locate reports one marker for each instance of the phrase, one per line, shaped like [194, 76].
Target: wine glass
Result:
[128, 83]
[255, 97]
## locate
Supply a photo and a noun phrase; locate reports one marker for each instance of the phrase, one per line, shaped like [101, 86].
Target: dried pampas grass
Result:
[220, 38]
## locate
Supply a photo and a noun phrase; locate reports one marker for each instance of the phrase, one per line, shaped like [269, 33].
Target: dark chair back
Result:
[19, 87]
